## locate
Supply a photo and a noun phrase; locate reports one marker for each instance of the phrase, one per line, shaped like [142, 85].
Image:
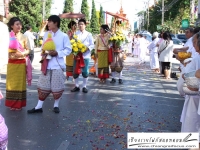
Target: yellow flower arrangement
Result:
[117, 38]
[77, 46]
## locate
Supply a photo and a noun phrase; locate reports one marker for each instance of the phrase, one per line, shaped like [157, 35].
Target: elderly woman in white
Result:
[153, 49]
[4, 44]
[165, 52]
[190, 117]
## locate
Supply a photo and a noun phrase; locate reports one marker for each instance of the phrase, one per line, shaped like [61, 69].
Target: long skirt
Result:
[136, 51]
[190, 118]
[3, 134]
[118, 62]
[53, 82]
[103, 65]
[142, 54]
[69, 65]
[154, 61]
[16, 83]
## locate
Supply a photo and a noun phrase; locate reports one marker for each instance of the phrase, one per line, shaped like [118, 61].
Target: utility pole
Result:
[43, 10]
[163, 11]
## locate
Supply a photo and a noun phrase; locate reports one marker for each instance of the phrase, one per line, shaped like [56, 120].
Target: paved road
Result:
[99, 119]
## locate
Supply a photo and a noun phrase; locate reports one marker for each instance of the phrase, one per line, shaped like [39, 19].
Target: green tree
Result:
[30, 12]
[86, 12]
[94, 24]
[85, 9]
[67, 8]
[173, 16]
[101, 18]
[48, 8]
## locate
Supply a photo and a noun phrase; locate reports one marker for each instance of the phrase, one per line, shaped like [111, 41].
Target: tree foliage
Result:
[94, 24]
[30, 12]
[48, 8]
[85, 10]
[172, 17]
[101, 17]
[67, 8]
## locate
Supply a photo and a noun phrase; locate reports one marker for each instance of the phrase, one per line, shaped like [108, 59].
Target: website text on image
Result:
[162, 140]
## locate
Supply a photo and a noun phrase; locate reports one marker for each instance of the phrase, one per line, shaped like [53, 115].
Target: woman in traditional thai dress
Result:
[70, 58]
[102, 52]
[190, 117]
[18, 64]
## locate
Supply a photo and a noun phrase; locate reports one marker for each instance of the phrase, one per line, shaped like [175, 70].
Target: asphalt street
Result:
[100, 119]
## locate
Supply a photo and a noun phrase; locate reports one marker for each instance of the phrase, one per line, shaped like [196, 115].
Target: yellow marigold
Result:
[79, 45]
[75, 36]
[79, 41]
[111, 38]
[75, 49]
[115, 38]
[72, 41]
[74, 45]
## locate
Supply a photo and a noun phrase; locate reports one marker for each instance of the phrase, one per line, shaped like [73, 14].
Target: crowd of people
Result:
[109, 57]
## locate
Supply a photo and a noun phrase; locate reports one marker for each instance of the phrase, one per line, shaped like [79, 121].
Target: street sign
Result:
[185, 23]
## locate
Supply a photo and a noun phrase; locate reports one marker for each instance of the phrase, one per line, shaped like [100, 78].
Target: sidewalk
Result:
[99, 119]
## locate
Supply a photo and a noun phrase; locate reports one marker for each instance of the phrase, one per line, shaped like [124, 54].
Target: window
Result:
[181, 36]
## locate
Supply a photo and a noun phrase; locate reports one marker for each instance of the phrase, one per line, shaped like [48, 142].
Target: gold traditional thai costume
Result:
[69, 59]
[102, 50]
[16, 75]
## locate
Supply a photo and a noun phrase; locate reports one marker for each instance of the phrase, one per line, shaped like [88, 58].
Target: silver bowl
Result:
[189, 92]
[191, 80]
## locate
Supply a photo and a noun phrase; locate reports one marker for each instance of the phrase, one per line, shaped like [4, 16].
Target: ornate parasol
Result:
[71, 15]
[116, 15]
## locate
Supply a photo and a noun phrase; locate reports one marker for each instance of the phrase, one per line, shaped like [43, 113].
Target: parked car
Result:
[181, 37]
[147, 34]
[177, 43]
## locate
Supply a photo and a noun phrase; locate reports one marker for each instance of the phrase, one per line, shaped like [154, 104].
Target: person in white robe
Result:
[190, 117]
[136, 49]
[142, 48]
[188, 47]
[129, 44]
[154, 61]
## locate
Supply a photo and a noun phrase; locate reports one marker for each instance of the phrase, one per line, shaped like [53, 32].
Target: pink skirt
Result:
[3, 133]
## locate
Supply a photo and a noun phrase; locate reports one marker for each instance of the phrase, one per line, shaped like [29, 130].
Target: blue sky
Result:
[129, 8]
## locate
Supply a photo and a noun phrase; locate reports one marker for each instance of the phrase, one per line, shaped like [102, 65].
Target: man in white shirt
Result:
[86, 38]
[31, 39]
[53, 81]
